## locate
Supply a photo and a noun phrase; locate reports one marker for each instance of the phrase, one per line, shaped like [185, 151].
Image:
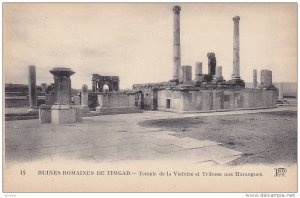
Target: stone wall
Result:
[207, 100]
[150, 99]
[116, 102]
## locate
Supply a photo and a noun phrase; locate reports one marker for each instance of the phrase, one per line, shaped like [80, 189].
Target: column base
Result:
[45, 113]
[85, 109]
[63, 114]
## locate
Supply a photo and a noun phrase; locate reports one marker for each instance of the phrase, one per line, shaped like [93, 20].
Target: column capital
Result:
[236, 19]
[176, 9]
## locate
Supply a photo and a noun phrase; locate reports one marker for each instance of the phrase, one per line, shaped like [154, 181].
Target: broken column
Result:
[186, 72]
[32, 88]
[62, 112]
[198, 71]
[266, 78]
[176, 43]
[280, 91]
[254, 78]
[218, 76]
[84, 99]
[236, 48]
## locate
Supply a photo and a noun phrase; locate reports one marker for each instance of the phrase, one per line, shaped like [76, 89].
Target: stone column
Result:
[236, 48]
[266, 78]
[62, 111]
[254, 78]
[218, 75]
[94, 82]
[198, 71]
[176, 43]
[32, 88]
[84, 99]
[186, 72]
[280, 92]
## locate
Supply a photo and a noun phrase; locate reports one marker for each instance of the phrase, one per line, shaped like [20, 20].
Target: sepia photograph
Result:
[150, 97]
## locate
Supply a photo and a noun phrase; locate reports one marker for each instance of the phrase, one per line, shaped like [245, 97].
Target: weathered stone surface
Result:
[218, 99]
[116, 103]
[186, 73]
[266, 78]
[63, 116]
[49, 98]
[45, 113]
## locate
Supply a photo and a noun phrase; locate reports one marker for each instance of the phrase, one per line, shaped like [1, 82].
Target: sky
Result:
[135, 40]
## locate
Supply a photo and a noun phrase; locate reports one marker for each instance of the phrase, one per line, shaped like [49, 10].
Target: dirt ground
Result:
[263, 138]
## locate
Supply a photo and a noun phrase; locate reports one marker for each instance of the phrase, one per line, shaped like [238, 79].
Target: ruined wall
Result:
[207, 100]
[116, 102]
[150, 99]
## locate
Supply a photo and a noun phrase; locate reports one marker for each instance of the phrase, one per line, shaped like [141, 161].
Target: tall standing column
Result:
[236, 48]
[176, 43]
[32, 87]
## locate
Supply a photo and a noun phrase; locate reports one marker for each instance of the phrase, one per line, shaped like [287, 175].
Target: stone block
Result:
[76, 100]
[78, 113]
[85, 109]
[45, 113]
[63, 116]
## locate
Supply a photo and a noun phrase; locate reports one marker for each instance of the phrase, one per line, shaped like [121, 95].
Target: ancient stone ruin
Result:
[210, 91]
[206, 92]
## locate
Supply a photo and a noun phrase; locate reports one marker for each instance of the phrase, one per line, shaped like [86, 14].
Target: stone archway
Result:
[99, 81]
[106, 87]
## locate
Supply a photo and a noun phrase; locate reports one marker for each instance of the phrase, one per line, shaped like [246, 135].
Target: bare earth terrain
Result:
[262, 138]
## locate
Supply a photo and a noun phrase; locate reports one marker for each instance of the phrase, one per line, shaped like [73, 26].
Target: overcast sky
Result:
[134, 41]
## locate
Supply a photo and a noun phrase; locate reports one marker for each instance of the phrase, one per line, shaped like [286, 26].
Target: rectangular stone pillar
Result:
[186, 73]
[218, 76]
[265, 78]
[198, 71]
[254, 78]
[84, 99]
[32, 88]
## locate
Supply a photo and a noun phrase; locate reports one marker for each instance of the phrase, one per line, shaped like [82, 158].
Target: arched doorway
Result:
[105, 88]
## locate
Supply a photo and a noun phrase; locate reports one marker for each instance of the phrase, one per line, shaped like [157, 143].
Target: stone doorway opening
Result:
[105, 88]
[168, 103]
